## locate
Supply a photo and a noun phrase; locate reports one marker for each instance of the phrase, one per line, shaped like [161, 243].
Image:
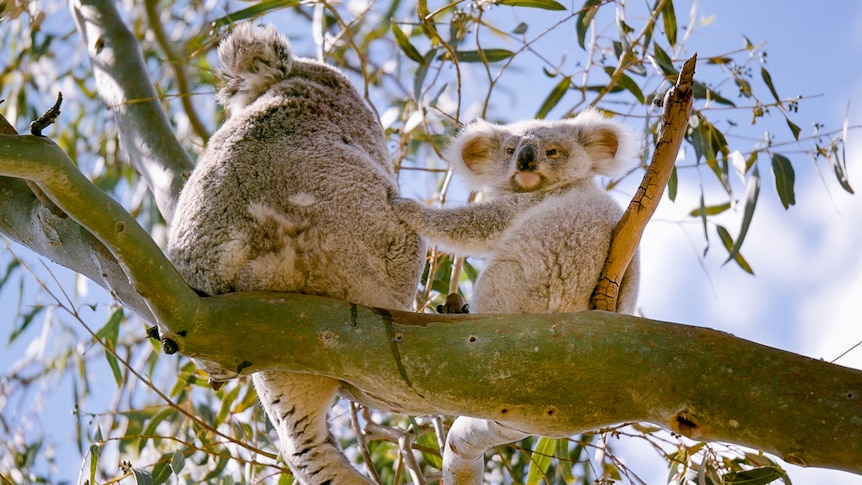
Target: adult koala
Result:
[292, 195]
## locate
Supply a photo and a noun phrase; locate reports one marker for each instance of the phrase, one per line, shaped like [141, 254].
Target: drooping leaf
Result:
[793, 128]
[628, 83]
[10, 268]
[672, 185]
[422, 73]
[727, 241]
[142, 477]
[149, 431]
[162, 470]
[554, 97]
[752, 192]
[405, 45]
[767, 78]
[26, 319]
[95, 454]
[669, 19]
[542, 4]
[109, 334]
[178, 461]
[565, 466]
[755, 476]
[585, 18]
[784, 179]
[540, 460]
[665, 63]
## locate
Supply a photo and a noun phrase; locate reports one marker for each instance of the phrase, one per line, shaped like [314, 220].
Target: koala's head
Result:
[252, 59]
[539, 155]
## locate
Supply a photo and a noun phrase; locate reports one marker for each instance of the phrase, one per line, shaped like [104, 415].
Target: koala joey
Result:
[292, 195]
[547, 227]
[545, 232]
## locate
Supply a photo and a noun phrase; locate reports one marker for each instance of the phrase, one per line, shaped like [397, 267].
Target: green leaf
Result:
[162, 470]
[253, 11]
[26, 319]
[585, 18]
[728, 244]
[669, 18]
[565, 465]
[665, 63]
[422, 73]
[784, 179]
[149, 432]
[142, 477]
[487, 55]
[793, 127]
[109, 334]
[429, 440]
[754, 476]
[767, 78]
[751, 194]
[554, 97]
[405, 45]
[178, 461]
[710, 210]
[543, 4]
[701, 91]
[95, 454]
[672, 185]
[540, 460]
[628, 83]
[10, 268]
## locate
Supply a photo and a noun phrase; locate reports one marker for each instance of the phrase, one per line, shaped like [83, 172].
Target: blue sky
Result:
[805, 296]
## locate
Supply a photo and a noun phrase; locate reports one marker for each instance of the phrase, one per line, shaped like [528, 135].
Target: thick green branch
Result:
[125, 87]
[149, 272]
[546, 374]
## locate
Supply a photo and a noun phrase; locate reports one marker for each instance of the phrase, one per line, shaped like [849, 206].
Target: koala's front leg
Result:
[470, 229]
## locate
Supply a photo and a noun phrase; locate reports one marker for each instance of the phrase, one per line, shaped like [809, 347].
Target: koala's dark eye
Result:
[551, 152]
[510, 151]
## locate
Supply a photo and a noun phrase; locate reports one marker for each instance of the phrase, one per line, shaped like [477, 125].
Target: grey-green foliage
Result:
[425, 68]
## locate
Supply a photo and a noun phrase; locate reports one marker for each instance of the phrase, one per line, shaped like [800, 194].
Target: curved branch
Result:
[627, 234]
[125, 87]
[148, 271]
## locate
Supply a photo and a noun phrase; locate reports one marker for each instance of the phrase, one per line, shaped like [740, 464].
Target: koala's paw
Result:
[454, 304]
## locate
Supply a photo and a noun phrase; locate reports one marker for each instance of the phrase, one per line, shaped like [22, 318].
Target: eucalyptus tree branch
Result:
[627, 234]
[126, 89]
[148, 271]
[698, 382]
[30, 218]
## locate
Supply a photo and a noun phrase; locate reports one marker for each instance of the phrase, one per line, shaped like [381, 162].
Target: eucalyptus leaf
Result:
[784, 179]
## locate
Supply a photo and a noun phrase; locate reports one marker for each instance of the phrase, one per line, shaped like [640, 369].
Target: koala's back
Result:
[550, 258]
[293, 196]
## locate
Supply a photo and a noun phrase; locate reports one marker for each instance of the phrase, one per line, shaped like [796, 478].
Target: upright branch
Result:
[125, 87]
[627, 234]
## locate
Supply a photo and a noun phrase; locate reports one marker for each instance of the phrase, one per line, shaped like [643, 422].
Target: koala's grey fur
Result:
[547, 228]
[545, 232]
[292, 195]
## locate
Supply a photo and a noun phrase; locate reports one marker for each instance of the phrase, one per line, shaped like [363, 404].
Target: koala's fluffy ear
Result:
[252, 59]
[476, 153]
[611, 146]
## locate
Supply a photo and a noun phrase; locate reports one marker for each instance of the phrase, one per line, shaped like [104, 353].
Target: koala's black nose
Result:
[527, 158]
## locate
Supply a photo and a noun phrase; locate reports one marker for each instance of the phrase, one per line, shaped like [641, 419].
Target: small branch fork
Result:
[628, 233]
